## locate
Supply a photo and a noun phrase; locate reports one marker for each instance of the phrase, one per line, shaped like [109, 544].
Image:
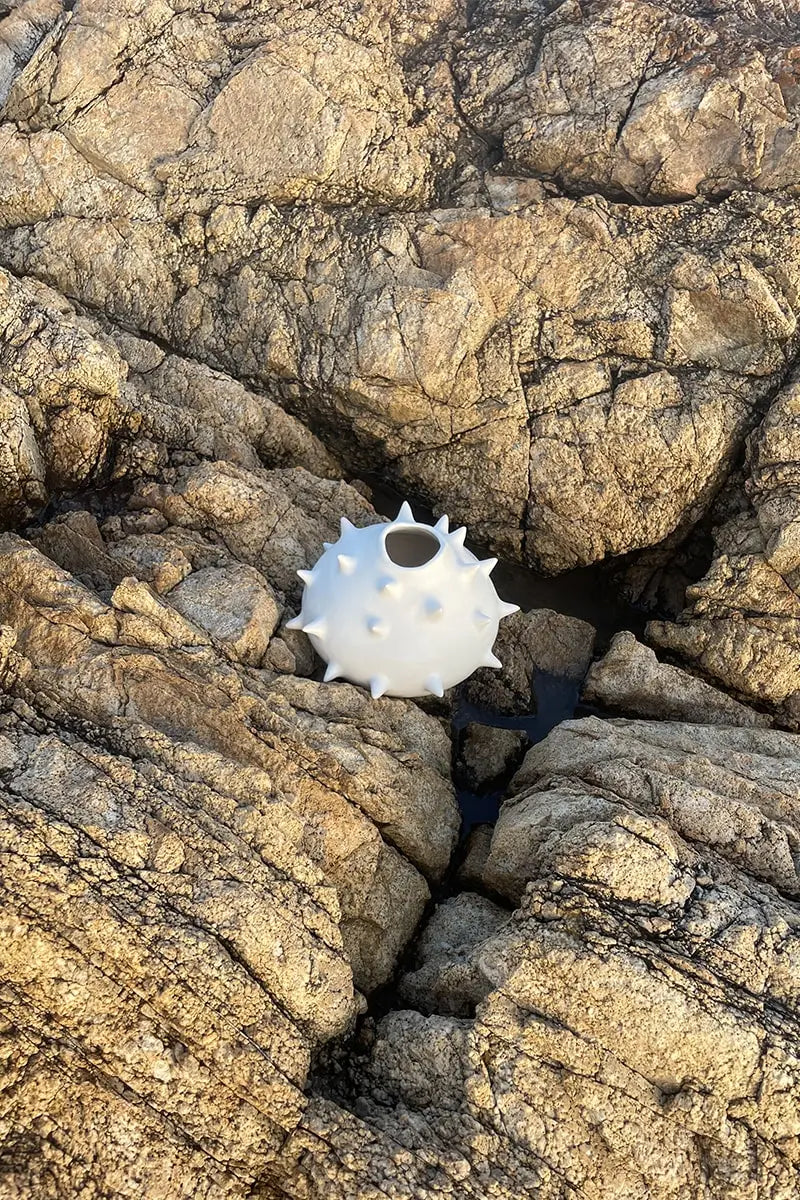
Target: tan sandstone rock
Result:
[741, 623]
[340, 760]
[624, 1044]
[539, 264]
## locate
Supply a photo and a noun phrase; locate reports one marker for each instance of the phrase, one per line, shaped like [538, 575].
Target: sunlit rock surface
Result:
[538, 265]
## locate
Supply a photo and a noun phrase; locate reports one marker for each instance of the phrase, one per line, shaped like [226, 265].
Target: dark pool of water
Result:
[554, 699]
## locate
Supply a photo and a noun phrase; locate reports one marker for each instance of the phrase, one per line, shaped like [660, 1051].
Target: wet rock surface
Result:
[537, 266]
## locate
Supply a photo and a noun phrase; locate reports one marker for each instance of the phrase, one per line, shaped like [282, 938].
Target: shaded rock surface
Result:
[488, 754]
[447, 976]
[469, 871]
[630, 679]
[58, 400]
[741, 624]
[538, 641]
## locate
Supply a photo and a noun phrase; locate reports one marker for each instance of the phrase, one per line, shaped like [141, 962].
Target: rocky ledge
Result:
[264, 938]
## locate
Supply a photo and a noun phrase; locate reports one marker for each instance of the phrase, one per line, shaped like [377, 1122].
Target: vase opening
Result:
[411, 547]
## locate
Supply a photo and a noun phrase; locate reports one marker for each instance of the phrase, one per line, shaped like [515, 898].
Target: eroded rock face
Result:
[572, 376]
[22, 29]
[540, 264]
[161, 915]
[733, 789]
[447, 975]
[638, 1019]
[82, 403]
[58, 400]
[630, 679]
[178, 671]
[654, 101]
[176, 404]
[312, 114]
[205, 860]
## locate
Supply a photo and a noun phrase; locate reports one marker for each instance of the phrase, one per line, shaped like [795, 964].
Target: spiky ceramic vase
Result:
[401, 608]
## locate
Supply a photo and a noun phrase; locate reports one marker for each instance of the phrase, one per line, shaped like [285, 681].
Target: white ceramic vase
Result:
[402, 608]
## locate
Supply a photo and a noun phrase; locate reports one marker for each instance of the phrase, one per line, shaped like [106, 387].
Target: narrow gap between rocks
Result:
[590, 594]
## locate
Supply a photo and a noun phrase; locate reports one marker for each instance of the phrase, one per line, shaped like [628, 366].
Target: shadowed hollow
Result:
[411, 547]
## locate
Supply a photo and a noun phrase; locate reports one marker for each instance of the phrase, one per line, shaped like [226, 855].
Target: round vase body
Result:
[402, 608]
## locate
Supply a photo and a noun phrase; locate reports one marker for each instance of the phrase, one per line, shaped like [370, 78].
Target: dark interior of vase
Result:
[411, 547]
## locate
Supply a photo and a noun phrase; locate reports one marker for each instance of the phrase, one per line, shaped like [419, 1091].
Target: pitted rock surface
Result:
[371, 781]
[354, 210]
[636, 1017]
[539, 266]
[630, 679]
[741, 623]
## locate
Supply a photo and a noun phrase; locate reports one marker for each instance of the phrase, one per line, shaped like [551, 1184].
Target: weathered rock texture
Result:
[311, 201]
[170, 951]
[540, 641]
[349, 768]
[630, 679]
[202, 859]
[447, 975]
[653, 101]
[732, 789]
[636, 1025]
[58, 399]
[741, 625]
[489, 754]
[539, 263]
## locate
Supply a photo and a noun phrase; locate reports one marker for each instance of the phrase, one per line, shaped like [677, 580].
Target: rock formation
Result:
[630, 679]
[631, 1029]
[538, 264]
[318, 208]
[489, 754]
[203, 859]
[531, 644]
[741, 625]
